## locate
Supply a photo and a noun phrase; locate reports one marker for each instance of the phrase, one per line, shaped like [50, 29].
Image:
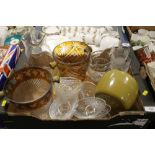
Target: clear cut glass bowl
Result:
[92, 108]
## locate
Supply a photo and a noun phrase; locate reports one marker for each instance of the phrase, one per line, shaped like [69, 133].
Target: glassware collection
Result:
[81, 72]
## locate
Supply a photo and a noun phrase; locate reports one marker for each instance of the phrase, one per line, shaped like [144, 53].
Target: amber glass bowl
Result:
[72, 58]
[29, 88]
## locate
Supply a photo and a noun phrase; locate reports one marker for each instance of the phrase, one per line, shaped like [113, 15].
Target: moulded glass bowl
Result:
[62, 111]
[91, 108]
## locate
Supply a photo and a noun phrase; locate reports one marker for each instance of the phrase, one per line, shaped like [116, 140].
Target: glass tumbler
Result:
[36, 36]
[66, 96]
[120, 59]
[99, 64]
[87, 90]
[34, 43]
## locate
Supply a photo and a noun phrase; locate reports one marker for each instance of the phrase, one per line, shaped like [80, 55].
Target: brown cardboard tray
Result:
[43, 114]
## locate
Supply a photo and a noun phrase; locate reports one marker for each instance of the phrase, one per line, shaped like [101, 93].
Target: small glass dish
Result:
[68, 86]
[62, 110]
[92, 108]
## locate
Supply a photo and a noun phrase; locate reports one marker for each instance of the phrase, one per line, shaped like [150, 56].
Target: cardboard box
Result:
[139, 53]
[8, 63]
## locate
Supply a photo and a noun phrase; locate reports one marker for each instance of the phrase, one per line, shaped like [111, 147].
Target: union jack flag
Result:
[10, 59]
